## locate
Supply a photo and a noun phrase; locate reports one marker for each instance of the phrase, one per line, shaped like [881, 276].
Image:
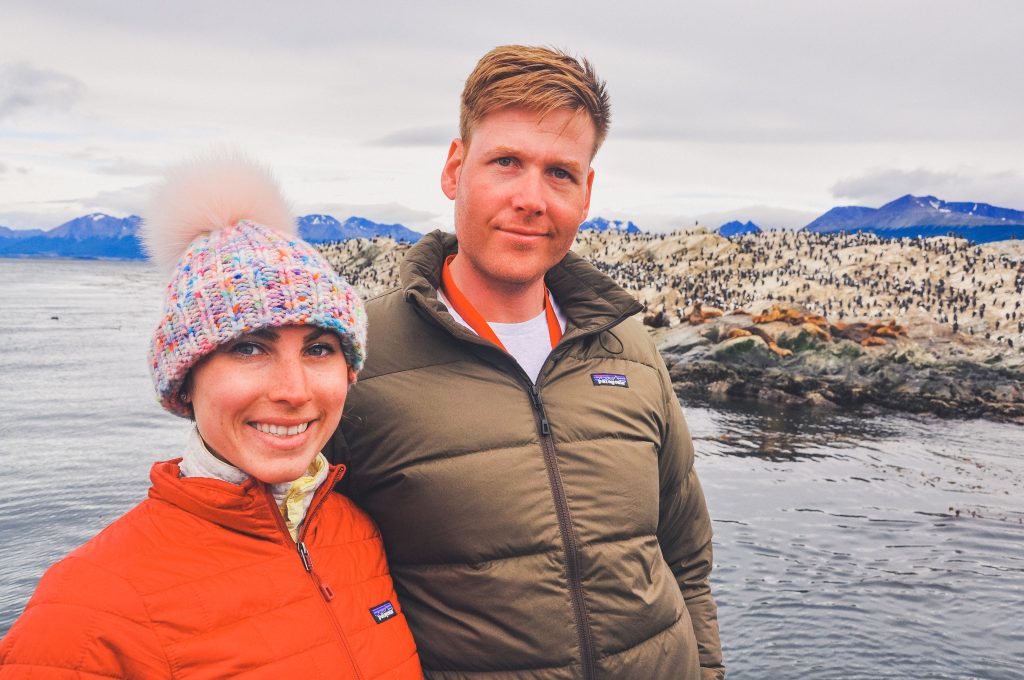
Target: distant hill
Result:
[601, 224]
[737, 228]
[845, 218]
[95, 235]
[323, 228]
[925, 216]
[98, 235]
[7, 232]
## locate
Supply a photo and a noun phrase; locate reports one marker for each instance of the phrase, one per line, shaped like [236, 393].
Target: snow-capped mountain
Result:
[737, 228]
[925, 216]
[97, 225]
[98, 235]
[601, 224]
[322, 228]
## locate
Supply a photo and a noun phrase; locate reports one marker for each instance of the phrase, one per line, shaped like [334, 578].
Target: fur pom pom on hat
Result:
[222, 230]
[210, 193]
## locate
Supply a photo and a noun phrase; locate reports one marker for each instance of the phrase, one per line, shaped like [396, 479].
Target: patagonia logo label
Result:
[383, 612]
[609, 380]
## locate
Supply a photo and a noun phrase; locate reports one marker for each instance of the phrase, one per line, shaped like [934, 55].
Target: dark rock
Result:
[902, 376]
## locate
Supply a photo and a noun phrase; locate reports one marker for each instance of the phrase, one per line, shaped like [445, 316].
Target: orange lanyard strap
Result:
[465, 309]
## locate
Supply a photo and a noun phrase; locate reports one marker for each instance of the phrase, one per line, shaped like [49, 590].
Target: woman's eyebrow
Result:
[314, 334]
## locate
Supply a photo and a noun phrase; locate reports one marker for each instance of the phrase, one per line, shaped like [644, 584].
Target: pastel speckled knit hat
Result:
[224, 233]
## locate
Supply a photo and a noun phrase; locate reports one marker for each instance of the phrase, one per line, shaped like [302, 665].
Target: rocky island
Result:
[806, 319]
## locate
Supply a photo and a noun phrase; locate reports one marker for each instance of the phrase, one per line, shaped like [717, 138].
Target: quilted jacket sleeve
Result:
[82, 622]
[684, 532]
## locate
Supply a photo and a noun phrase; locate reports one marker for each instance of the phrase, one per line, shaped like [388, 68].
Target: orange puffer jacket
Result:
[202, 580]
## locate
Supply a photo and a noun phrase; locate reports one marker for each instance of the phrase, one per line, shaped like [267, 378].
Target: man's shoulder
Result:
[402, 335]
[630, 340]
[384, 311]
[381, 301]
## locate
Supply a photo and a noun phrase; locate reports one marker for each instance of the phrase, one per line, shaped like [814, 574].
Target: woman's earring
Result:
[184, 397]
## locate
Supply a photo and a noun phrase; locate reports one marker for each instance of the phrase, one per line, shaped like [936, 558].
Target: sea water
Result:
[847, 544]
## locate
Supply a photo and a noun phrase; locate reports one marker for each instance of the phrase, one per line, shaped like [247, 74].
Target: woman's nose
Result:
[288, 382]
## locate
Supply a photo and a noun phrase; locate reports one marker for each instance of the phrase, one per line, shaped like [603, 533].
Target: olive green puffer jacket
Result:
[555, 530]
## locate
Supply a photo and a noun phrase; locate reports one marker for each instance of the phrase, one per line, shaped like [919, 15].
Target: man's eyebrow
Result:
[572, 166]
[504, 151]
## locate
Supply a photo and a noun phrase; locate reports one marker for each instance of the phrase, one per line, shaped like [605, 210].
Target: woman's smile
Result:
[268, 401]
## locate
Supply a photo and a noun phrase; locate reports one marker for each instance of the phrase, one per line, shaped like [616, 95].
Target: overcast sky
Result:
[771, 111]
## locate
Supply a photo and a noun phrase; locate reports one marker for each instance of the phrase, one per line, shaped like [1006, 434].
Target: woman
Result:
[241, 563]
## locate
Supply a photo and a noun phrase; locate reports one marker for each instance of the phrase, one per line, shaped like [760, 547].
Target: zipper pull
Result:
[545, 428]
[325, 589]
[304, 554]
[535, 397]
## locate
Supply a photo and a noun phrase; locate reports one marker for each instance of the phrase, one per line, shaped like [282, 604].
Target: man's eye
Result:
[559, 173]
[504, 162]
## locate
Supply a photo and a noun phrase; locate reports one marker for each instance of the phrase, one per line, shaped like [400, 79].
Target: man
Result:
[514, 432]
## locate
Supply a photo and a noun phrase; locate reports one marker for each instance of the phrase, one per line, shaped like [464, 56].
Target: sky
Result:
[771, 111]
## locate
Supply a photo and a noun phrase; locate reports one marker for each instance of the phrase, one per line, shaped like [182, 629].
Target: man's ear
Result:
[586, 200]
[452, 169]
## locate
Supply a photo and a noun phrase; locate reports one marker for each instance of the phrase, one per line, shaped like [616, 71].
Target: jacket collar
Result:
[247, 508]
[590, 300]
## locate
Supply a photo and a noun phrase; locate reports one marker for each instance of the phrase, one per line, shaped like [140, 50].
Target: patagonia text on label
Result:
[383, 612]
[609, 379]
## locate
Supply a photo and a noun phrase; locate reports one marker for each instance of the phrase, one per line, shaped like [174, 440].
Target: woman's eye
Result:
[320, 350]
[246, 349]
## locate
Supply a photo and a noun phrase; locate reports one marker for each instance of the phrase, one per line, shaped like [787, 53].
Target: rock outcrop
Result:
[791, 361]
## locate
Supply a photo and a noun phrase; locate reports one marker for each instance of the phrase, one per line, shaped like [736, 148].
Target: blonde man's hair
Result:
[540, 79]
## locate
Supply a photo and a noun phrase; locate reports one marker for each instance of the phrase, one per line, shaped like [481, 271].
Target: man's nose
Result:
[528, 199]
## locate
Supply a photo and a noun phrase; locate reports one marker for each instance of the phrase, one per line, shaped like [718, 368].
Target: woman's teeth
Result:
[281, 430]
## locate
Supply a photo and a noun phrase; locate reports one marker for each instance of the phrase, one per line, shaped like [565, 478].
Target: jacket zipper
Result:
[323, 590]
[569, 543]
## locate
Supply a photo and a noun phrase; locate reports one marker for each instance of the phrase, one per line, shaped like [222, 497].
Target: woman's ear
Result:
[352, 376]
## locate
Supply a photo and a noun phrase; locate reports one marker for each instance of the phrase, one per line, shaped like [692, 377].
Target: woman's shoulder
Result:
[138, 533]
[87, 618]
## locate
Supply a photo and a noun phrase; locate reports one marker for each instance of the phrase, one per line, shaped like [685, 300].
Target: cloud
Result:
[126, 201]
[125, 166]
[434, 135]
[24, 87]
[23, 219]
[105, 163]
[881, 185]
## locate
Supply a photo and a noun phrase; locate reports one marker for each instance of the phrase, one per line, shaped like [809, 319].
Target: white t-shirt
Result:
[528, 342]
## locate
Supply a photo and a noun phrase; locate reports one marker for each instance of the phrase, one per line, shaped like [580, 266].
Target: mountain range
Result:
[912, 216]
[98, 235]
